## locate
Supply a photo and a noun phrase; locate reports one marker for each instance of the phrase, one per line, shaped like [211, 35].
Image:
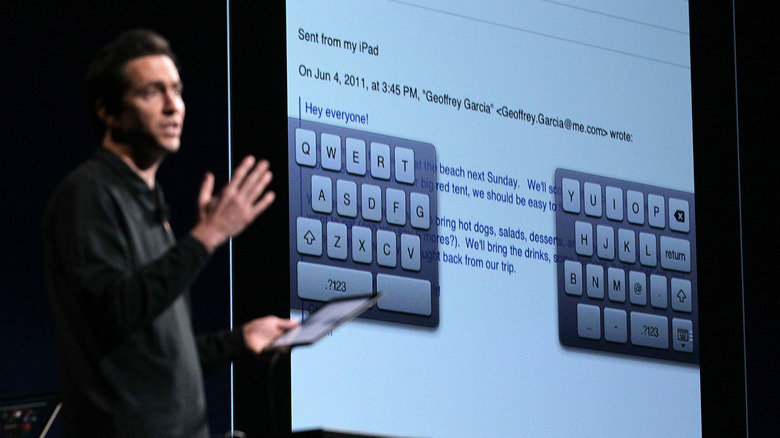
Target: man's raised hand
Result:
[238, 204]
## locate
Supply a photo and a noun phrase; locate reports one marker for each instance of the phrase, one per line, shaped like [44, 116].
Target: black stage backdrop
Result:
[46, 47]
[758, 79]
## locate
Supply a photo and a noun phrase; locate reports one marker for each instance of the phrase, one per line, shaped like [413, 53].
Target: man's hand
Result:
[240, 202]
[259, 332]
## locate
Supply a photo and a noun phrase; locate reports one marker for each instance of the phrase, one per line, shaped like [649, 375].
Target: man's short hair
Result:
[106, 82]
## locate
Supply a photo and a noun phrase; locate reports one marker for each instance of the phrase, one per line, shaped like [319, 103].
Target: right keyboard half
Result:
[626, 267]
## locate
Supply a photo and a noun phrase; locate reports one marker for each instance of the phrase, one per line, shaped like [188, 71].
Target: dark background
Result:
[46, 47]
[758, 74]
[45, 133]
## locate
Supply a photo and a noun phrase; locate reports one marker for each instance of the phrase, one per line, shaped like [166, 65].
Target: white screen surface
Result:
[495, 365]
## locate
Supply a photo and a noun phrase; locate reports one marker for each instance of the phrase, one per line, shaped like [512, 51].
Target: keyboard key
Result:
[588, 321]
[615, 326]
[346, 198]
[583, 233]
[614, 204]
[572, 277]
[396, 206]
[385, 249]
[658, 292]
[592, 199]
[305, 147]
[410, 252]
[616, 284]
[404, 294]
[420, 210]
[649, 330]
[626, 246]
[682, 335]
[404, 165]
[571, 195]
[380, 161]
[682, 298]
[637, 283]
[647, 250]
[324, 283]
[330, 152]
[356, 156]
[321, 194]
[595, 281]
[309, 236]
[675, 254]
[362, 248]
[371, 206]
[656, 215]
[605, 242]
[337, 240]
[635, 207]
[679, 217]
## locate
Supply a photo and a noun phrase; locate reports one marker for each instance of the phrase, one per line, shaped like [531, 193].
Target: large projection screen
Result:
[535, 326]
[517, 179]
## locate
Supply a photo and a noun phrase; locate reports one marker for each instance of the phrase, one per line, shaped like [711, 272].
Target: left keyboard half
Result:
[363, 220]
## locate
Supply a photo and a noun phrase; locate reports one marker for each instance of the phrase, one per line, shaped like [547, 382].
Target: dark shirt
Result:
[118, 285]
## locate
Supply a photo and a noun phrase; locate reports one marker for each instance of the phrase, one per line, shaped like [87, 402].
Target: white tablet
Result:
[324, 320]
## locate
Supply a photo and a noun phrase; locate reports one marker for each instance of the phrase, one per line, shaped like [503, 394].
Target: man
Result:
[118, 281]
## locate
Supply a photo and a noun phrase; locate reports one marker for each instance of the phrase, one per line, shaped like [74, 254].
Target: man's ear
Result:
[108, 120]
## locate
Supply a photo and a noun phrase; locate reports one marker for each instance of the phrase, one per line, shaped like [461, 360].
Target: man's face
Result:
[153, 110]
